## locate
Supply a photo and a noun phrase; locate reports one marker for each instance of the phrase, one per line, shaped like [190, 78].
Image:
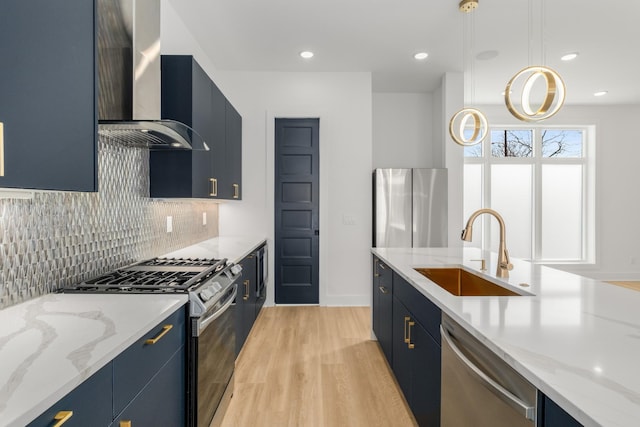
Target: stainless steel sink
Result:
[462, 283]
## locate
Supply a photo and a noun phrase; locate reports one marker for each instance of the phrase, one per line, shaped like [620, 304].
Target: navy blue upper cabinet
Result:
[48, 104]
[189, 96]
[233, 142]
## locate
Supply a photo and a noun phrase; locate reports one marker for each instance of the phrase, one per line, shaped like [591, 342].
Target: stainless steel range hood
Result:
[129, 78]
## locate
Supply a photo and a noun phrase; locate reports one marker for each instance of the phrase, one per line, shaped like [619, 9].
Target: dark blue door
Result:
[296, 211]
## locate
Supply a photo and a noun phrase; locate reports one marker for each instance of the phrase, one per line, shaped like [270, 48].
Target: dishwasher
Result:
[479, 388]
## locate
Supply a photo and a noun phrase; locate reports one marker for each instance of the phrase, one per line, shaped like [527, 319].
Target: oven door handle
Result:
[207, 320]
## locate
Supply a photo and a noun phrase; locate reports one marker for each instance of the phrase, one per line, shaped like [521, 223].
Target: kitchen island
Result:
[576, 339]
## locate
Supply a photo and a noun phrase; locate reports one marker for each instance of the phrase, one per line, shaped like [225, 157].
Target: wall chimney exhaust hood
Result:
[129, 81]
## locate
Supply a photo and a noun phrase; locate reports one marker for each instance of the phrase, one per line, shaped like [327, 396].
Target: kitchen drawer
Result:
[425, 312]
[385, 276]
[90, 403]
[162, 401]
[135, 367]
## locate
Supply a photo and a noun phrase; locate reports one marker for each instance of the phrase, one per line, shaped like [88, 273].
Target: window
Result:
[540, 179]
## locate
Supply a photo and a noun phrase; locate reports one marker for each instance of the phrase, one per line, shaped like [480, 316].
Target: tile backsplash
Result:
[61, 238]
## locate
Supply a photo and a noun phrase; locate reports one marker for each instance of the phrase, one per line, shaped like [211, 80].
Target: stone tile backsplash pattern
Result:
[62, 238]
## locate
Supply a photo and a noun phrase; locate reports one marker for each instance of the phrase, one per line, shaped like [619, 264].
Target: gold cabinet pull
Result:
[214, 187]
[165, 330]
[62, 417]
[406, 337]
[236, 191]
[409, 343]
[1, 149]
[125, 423]
[383, 289]
[246, 290]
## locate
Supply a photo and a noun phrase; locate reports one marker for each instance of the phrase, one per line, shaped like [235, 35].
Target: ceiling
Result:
[381, 36]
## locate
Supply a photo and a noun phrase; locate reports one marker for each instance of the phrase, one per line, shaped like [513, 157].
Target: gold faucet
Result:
[504, 265]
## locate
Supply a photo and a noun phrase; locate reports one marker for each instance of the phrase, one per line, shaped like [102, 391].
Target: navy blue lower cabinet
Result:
[416, 351]
[162, 401]
[552, 415]
[139, 363]
[246, 300]
[383, 307]
[89, 404]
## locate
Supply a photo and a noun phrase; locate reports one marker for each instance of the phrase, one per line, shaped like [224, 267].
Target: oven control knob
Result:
[206, 294]
[215, 286]
[236, 268]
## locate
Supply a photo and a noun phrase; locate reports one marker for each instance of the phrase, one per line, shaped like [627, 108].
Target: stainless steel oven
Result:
[211, 286]
[212, 350]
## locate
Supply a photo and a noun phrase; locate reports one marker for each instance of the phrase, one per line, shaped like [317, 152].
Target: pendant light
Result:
[523, 83]
[468, 119]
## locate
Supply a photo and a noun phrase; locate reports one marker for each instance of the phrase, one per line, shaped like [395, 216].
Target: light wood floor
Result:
[635, 285]
[314, 366]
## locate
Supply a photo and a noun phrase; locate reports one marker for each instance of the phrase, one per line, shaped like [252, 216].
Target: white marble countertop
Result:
[576, 339]
[234, 248]
[51, 344]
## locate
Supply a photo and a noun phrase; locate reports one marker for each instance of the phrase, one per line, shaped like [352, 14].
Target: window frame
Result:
[587, 161]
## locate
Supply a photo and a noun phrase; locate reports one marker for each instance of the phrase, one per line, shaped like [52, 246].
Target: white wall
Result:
[617, 181]
[453, 100]
[342, 102]
[402, 130]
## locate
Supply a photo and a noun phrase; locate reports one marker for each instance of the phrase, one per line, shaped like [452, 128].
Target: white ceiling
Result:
[381, 36]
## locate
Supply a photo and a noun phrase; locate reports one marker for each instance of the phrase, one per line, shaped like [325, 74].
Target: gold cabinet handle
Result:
[214, 187]
[125, 423]
[246, 290]
[406, 337]
[165, 330]
[236, 191]
[409, 343]
[376, 275]
[62, 417]
[383, 289]
[1, 149]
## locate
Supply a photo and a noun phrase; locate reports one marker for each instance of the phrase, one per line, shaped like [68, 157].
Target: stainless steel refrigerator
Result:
[409, 208]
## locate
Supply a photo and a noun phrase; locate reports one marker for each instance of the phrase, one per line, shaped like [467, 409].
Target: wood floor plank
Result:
[314, 367]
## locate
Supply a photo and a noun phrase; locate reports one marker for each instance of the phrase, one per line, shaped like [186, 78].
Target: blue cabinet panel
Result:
[90, 403]
[426, 312]
[135, 367]
[552, 415]
[48, 98]
[162, 401]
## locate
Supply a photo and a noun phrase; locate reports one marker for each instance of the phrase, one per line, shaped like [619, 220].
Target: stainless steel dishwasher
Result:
[479, 388]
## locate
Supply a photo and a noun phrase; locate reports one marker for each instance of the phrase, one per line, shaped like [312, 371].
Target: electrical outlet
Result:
[348, 220]
[204, 218]
[169, 224]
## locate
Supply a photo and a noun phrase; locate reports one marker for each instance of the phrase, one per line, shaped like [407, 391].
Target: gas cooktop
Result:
[157, 275]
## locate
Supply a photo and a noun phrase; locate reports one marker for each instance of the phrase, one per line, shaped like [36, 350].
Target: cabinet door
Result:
[186, 97]
[383, 309]
[135, 366]
[218, 144]
[551, 415]
[162, 401]
[48, 94]
[425, 376]
[246, 300]
[416, 365]
[234, 150]
[89, 404]
[401, 355]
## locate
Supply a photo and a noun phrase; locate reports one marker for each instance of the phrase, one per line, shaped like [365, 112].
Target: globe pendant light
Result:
[525, 85]
[468, 126]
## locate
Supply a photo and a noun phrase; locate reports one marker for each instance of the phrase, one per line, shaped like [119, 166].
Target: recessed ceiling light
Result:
[421, 55]
[306, 54]
[601, 93]
[569, 56]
